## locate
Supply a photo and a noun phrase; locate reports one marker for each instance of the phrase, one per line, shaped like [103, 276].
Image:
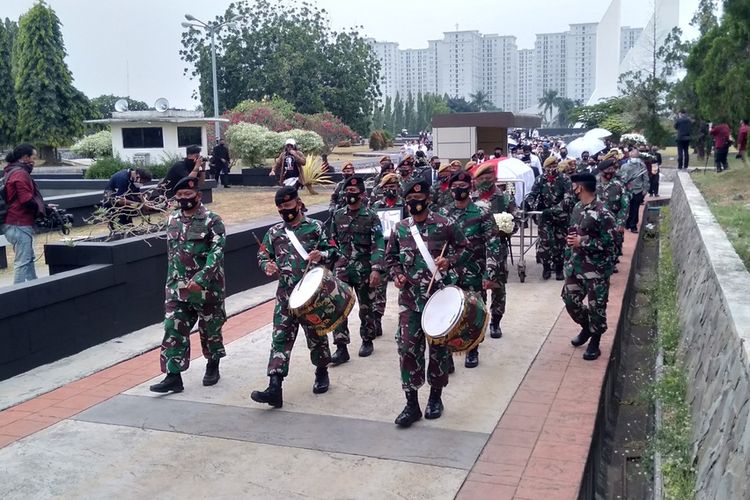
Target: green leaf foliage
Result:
[8, 108]
[104, 105]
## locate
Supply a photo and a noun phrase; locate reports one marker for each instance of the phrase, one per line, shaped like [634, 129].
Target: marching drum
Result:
[321, 301]
[455, 318]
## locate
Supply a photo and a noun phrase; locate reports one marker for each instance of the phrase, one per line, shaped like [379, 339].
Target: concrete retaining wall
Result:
[713, 287]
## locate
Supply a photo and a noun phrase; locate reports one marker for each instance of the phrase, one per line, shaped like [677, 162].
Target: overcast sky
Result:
[107, 39]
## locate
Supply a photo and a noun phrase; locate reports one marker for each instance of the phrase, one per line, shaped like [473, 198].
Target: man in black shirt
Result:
[124, 190]
[192, 166]
[220, 163]
[288, 167]
[684, 127]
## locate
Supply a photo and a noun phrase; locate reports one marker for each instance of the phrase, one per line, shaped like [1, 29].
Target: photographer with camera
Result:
[22, 204]
[192, 166]
[288, 167]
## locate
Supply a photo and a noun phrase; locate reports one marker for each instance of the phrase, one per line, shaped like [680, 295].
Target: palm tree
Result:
[564, 106]
[480, 100]
[549, 102]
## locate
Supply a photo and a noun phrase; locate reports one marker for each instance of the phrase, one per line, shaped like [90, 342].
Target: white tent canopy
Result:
[516, 171]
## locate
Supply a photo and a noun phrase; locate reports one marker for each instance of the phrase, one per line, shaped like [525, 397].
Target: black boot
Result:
[379, 330]
[559, 275]
[582, 337]
[212, 375]
[434, 406]
[546, 271]
[472, 358]
[495, 330]
[272, 395]
[341, 355]
[366, 348]
[592, 350]
[451, 366]
[172, 382]
[321, 380]
[411, 412]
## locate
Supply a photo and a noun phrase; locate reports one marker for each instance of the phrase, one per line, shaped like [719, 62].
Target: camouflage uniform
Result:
[551, 194]
[440, 196]
[588, 267]
[278, 248]
[359, 238]
[195, 252]
[615, 198]
[403, 257]
[338, 200]
[378, 304]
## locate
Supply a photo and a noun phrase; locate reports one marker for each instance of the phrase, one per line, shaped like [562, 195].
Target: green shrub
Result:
[253, 143]
[378, 140]
[308, 142]
[94, 146]
[106, 167]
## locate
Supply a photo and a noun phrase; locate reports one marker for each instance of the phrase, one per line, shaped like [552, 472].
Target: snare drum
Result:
[321, 301]
[455, 318]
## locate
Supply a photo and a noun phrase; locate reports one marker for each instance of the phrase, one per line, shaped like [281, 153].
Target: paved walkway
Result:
[518, 426]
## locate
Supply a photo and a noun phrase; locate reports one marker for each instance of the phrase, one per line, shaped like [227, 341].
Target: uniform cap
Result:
[285, 194]
[357, 182]
[186, 183]
[583, 178]
[388, 179]
[347, 164]
[384, 159]
[460, 177]
[483, 169]
[604, 165]
[550, 162]
[417, 186]
[443, 168]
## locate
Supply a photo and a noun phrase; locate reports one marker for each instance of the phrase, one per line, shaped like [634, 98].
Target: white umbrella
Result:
[598, 133]
[514, 170]
[590, 144]
[512, 142]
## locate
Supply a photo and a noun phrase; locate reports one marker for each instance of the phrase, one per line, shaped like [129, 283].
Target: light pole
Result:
[212, 29]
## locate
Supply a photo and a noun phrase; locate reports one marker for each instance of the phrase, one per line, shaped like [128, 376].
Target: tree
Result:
[388, 115]
[481, 100]
[434, 105]
[50, 109]
[377, 118]
[104, 105]
[461, 105]
[398, 114]
[548, 102]
[8, 108]
[421, 117]
[565, 106]
[410, 114]
[290, 51]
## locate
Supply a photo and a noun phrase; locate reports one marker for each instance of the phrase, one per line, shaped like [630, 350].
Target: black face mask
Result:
[460, 194]
[390, 194]
[187, 203]
[417, 207]
[289, 214]
[348, 176]
[352, 198]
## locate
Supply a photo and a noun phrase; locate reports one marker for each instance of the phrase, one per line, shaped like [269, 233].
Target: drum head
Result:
[307, 287]
[442, 311]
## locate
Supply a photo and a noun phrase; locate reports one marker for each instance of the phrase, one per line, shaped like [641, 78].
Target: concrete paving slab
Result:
[93, 461]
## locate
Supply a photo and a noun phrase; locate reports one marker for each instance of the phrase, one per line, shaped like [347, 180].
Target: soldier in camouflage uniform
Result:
[486, 270]
[278, 256]
[406, 171]
[411, 275]
[386, 168]
[440, 193]
[195, 287]
[338, 200]
[611, 191]
[589, 258]
[358, 236]
[489, 198]
[551, 195]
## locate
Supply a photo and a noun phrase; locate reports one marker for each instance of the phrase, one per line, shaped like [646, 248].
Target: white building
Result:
[388, 55]
[628, 38]
[550, 54]
[418, 71]
[526, 79]
[500, 71]
[581, 61]
[459, 63]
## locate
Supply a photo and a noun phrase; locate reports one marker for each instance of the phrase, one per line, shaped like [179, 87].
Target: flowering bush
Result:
[328, 126]
[253, 143]
[308, 141]
[633, 139]
[94, 146]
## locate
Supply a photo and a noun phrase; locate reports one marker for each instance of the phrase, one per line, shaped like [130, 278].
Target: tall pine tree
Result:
[398, 114]
[8, 109]
[50, 109]
[410, 115]
[388, 115]
[377, 117]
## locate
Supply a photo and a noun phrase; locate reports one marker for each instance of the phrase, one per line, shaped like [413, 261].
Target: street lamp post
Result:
[212, 29]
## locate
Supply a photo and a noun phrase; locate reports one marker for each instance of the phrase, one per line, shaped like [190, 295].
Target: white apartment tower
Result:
[581, 61]
[459, 63]
[500, 71]
[550, 53]
[418, 71]
[628, 38]
[388, 55]
[526, 79]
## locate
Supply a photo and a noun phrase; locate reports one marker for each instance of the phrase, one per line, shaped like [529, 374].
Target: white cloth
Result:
[296, 243]
[422, 247]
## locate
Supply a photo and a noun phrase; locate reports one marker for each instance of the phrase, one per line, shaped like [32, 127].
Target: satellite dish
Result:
[121, 105]
[161, 105]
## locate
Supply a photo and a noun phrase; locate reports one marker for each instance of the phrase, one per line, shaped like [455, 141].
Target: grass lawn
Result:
[728, 195]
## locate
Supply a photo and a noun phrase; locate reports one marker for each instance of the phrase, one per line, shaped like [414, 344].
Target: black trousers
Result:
[635, 204]
[720, 157]
[653, 185]
[683, 153]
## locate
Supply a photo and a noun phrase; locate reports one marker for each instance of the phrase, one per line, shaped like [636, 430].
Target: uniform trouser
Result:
[618, 243]
[285, 329]
[179, 319]
[550, 246]
[635, 207]
[411, 346]
[596, 290]
[378, 303]
[368, 320]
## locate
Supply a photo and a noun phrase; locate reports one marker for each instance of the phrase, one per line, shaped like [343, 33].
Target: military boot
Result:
[559, 275]
[272, 395]
[451, 366]
[434, 406]
[341, 355]
[366, 348]
[472, 358]
[379, 328]
[411, 412]
[172, 382]
[495, 331]
[321, 380]
[582, 337]
[212, 375]
[592, 350]
[546, 271]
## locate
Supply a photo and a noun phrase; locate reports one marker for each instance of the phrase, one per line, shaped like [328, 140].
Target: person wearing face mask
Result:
[611, 191]
[193, 165]
[23, 203]
[123, 190]
[286, 249]
[405, 170]
[413, 257]
[551, 194]
[358, 236]
[589, 260]
[486, 270]
[386, 167]
[338, 199]
[634, 175]
[440, 193]
[195, 289]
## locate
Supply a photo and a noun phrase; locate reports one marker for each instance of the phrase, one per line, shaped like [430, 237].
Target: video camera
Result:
[55, 218]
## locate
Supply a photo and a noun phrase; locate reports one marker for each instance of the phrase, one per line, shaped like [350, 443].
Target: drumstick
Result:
[432, 280]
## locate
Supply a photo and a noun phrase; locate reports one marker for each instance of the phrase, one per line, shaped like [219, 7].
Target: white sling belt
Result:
[296, 244]
[423, 250]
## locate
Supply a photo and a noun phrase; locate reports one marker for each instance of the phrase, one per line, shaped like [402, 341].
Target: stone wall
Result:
[713, 287]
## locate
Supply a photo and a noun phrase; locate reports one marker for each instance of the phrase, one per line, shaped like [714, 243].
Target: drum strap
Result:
[296, 243]
[422, 246]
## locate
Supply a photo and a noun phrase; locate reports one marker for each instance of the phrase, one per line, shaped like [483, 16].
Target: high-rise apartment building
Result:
[459, 63]
[500, 71]
[628, 38]
[581, 61]
[526, 79]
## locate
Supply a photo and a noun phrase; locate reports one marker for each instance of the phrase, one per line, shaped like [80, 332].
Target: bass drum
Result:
[321, 301]
[455, 318]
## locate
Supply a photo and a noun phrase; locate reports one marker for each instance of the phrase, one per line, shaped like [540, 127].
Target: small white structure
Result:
[145, 137]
